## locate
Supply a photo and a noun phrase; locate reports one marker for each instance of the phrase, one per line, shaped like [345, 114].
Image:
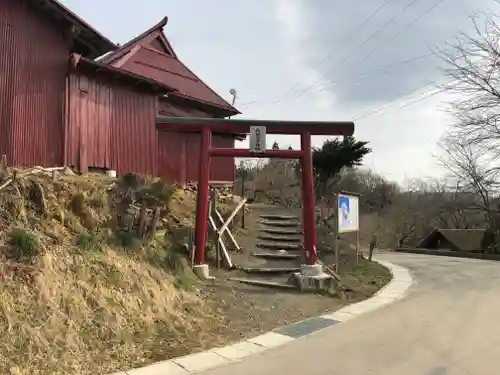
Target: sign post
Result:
[347, 218]
[257, 139]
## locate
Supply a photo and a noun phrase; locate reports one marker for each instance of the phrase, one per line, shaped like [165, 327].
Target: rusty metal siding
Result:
[167, 108]
[87, 143]
[221, 168]
[172, 156]
[134, 146]
[178, 157]
[111, 126]
[33, 64]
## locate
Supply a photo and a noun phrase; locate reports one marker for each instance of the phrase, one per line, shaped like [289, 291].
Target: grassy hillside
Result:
[81, 292]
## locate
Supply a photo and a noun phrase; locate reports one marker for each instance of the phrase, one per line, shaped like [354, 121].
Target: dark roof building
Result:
[467, 240]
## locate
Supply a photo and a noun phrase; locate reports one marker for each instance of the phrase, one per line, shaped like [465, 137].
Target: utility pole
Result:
[233, 94]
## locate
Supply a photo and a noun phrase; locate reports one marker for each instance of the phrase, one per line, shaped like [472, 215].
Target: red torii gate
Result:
[206, 126]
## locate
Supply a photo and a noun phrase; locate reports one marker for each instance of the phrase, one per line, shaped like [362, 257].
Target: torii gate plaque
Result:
[206, 126]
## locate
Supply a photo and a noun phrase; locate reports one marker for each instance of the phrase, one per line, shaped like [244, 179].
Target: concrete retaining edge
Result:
[395, 290]
[449, 253]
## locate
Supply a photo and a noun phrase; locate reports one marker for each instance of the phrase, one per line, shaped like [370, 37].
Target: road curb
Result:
[395, 290]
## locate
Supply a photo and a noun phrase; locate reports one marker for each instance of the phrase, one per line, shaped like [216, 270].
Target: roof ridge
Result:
[122, 50]
[127, 48]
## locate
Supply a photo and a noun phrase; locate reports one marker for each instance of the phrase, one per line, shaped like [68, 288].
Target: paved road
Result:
[449, 324]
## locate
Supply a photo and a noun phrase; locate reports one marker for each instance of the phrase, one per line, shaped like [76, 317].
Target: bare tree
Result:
[472, 64]
[477, 174]
[472, 146]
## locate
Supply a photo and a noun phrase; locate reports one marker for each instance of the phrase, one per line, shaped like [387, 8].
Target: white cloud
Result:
[292, 17]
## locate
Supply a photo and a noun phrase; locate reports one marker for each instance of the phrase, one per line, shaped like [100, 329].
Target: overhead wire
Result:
[330, 53]
[384, 41]
[405, 28]
[361, 76]
[417, 93]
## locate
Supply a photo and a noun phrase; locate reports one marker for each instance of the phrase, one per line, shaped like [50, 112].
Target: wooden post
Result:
[154, 224]
[373, 243]
[337, 235]
[142, 221]
[3, 162]
[243, 178]
[202, 196]
[357, 246]
[212, 212]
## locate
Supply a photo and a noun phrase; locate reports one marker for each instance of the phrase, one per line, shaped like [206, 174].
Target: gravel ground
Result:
[251, 310]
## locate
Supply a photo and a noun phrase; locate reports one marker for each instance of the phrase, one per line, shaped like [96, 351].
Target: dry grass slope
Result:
[79, 297]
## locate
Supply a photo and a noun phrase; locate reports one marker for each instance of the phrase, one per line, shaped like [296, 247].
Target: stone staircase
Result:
[277, 253]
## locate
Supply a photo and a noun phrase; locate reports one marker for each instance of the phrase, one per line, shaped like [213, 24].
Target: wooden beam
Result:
[345, 128]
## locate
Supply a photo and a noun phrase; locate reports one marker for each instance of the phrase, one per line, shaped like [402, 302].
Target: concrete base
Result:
[202, 271]
[313, 270]
[312, 278]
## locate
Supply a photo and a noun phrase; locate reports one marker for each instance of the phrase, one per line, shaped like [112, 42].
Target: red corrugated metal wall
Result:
[222, 168]
[172, 156]
[179, 153]
[111, 126]
[33, 61]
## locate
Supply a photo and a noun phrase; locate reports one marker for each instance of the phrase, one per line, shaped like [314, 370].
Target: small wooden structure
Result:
[462, 240]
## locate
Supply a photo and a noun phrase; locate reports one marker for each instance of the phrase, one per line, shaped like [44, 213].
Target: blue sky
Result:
[315, 60]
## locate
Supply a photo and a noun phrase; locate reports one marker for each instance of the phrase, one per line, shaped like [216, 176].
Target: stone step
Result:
[279, 217]
[279, 238]
[279, 246]
[276, 255]
[284, 232]
[281, 224]
[258, 282]
[272, 270]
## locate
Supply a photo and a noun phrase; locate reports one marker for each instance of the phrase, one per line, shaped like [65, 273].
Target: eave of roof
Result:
[125, 48]
[78, 61]
[99, 41]
[229, 111]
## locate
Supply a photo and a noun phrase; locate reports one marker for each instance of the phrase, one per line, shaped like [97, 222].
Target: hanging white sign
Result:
[257, 138]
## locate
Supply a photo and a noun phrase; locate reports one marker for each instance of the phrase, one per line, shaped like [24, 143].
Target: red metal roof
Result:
[86, 33]
[151, 55]
[87, 64]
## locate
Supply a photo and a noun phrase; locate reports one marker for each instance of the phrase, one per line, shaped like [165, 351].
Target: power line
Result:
[373, 35]
[417, 93]
[386, 68]
[405, 28]
[408, 95]
[362, 76]
[365, 22]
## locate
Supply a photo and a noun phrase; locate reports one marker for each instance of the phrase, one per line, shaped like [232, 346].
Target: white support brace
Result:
[221, 243]
[231, 217]
[231, 237]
